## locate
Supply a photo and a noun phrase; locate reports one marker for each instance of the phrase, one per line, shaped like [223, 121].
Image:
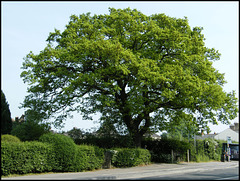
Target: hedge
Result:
[200, 150]
[64, 150]
[88, 158]
[129, 157]
[26, 157]
[55, 153]
[161, 149]
[107, 142]
[206, 150]
[9, 138]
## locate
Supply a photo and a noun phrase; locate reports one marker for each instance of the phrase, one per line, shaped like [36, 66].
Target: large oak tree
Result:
[136, 70]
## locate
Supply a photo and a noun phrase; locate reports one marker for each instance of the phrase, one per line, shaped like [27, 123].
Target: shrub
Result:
[36, 157]
[29, 130]
[128, 157]
[206, 150]
[202, 158]
[64, 151]
[9, 138]
[26, 157]
[88, 158]
[161, 149]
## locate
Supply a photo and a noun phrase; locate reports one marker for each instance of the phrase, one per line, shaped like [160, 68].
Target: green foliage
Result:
[6, 121]
[107, 142]
[29, 130]
[57, 153]
[26, 157]
[183, 129]
[202, 158]
[205, 150]
[138, 71]
[64, 149]
[9, 138]
[76, 133]
[89, 157]
[161, 149]
[201, 150]
[129, 157]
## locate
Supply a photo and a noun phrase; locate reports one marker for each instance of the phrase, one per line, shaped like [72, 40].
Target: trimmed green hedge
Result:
[10, 138]
[26, 157]
[129, 157]
[64, 150]
[55, 153]
[58, 152]
[106, 142]
[88, 158]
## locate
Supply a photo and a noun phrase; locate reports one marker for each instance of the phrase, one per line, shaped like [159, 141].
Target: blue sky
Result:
[26, 25]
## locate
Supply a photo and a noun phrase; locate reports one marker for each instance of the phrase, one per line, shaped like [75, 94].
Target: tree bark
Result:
[138, 140]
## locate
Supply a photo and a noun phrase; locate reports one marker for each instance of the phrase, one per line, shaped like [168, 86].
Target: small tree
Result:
[6, 121]
[75, 133]
[30, 130]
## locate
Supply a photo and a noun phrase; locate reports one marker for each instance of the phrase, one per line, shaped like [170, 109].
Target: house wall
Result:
[228, 132]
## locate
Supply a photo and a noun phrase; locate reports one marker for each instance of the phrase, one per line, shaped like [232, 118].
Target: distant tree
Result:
[30, 130]
[6, 121]
[107, 129]
[76, 133]
[138, 71]
[184, 128]
[164, 135]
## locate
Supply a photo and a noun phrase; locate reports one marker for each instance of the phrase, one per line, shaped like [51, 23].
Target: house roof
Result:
[205, 136]
[153, 135]
[227, 133]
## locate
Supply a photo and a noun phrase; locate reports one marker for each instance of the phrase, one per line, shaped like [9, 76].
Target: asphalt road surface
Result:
[182, 171]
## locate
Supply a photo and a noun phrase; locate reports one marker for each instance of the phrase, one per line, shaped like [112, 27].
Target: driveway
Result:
[182, 171]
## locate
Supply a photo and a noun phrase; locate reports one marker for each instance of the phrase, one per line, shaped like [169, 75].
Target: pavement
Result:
[149, 172]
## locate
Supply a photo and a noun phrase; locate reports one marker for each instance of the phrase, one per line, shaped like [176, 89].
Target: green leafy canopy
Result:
[136, 70]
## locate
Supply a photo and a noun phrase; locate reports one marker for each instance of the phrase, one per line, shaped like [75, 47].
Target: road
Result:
[182, 171]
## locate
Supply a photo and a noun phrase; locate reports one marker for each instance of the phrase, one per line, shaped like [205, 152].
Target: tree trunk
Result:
[138, 140]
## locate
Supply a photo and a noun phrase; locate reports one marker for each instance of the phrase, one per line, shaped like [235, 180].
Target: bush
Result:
[88, 158]
[9, 138]
[206, 150]
[55, 152]
[161, 149]
[64, 150]
[201, 150]
[129, 157]
[26, 157]
[29, 130]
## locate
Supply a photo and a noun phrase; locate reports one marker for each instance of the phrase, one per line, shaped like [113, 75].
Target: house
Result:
[232, 131]
[152, 135]
[227, 133]
[19, 120]
[235, 127]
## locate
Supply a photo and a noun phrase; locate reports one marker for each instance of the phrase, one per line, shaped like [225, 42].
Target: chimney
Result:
[17, 119]
[232, 127]
[236, 126]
